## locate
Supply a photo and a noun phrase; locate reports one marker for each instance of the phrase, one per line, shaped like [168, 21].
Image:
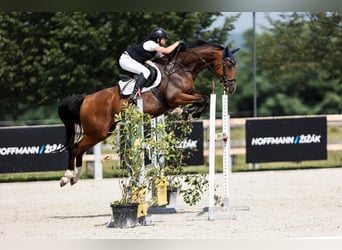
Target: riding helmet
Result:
[159, 33]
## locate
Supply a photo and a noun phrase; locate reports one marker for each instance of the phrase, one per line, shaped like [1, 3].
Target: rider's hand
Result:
[181, 42]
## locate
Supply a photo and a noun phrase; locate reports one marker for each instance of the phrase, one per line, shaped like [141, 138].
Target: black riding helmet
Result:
[159, 33]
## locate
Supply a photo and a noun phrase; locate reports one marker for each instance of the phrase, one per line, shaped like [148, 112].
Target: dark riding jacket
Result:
[139, 54]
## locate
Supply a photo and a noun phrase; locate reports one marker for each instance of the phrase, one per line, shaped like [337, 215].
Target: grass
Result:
[31, 176]
[110, 169]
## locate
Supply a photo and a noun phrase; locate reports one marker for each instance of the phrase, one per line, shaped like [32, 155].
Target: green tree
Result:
[298, 67]
[48, 56]
[301, 58]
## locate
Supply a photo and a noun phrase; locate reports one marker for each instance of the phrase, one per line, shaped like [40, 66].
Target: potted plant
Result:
[132, 180]
[135, 180]
[189, 186]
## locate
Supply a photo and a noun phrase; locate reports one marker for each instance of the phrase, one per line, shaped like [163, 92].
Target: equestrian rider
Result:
[134, 57]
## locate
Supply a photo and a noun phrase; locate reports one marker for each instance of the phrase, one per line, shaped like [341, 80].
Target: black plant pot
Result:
[125, 215]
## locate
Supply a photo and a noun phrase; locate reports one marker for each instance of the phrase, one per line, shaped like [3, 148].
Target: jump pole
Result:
[226, 150]
[155, 162]
[97, 162]
[226, 158]
[212, 155]
[141, 108]
[211, 190]
[159, 161]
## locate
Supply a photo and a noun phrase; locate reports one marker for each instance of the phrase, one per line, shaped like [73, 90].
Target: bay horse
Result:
[94, 113]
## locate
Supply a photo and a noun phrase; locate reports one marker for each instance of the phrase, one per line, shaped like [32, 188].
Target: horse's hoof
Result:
[177, 111]
[196, 115]
[63, 181]
[73, 181]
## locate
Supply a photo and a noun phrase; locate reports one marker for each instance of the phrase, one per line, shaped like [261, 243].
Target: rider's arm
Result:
[166, 50]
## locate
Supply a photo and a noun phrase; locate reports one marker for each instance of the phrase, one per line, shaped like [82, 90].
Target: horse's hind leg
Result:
[78, 169]
[84, 144]
[69, 173]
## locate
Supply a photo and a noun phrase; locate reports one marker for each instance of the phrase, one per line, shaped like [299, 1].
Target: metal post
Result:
[255, 166]
[254, 70]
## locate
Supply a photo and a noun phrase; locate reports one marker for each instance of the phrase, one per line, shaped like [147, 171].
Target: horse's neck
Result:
[193, 61]
[197, 59]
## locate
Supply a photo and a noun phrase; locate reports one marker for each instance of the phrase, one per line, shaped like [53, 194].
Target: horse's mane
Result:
[193, 44]
[200, 43]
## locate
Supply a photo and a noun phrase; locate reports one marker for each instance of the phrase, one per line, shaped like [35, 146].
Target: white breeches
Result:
[128, 63]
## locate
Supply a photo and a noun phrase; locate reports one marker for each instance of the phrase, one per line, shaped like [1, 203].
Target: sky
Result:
[245, 20]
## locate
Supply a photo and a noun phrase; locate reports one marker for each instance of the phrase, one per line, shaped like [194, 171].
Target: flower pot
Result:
[125, 215]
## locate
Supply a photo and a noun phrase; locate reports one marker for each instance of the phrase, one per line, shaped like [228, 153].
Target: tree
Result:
[48, 56]
[306, 60]
[298, 66]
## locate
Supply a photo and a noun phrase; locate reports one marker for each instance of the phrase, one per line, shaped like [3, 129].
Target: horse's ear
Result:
[235, 50]
[226, 52]
[229, 53]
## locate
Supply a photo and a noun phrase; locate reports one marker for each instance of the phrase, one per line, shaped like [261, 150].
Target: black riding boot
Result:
[138, 84]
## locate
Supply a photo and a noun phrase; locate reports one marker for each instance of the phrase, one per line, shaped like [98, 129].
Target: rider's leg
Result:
[139, 83]
[131, 65]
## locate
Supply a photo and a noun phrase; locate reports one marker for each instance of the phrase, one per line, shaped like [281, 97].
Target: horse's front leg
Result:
[198, 104]
[200, 107]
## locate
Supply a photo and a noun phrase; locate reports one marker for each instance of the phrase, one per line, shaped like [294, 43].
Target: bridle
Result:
[227, 81]
[226, 56]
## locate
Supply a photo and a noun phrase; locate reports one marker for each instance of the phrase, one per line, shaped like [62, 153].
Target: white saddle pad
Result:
[128, 86]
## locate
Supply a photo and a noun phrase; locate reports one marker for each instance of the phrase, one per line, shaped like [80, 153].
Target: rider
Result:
[134, 57]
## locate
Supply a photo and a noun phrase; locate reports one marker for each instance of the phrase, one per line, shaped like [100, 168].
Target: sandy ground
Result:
[282, 204]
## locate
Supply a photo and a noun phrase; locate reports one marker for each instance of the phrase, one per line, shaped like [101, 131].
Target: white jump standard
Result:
[213, 137]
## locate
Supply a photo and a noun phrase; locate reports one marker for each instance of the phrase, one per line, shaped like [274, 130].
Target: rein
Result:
[227, 82]
[174, 69]
[172, 60]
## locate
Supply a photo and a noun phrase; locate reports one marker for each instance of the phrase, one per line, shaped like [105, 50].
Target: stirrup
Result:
[132, 99]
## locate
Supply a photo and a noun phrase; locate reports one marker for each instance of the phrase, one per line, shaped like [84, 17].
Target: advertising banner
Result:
[194, 145]
[293, 139]
[32, 148]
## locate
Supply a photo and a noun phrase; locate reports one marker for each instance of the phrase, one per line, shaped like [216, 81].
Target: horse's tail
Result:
[69, 113]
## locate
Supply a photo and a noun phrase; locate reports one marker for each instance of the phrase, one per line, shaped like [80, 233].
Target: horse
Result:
[94, 113]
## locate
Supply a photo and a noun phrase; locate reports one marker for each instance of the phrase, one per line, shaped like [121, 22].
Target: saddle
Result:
[151, 79]
[127, 81]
